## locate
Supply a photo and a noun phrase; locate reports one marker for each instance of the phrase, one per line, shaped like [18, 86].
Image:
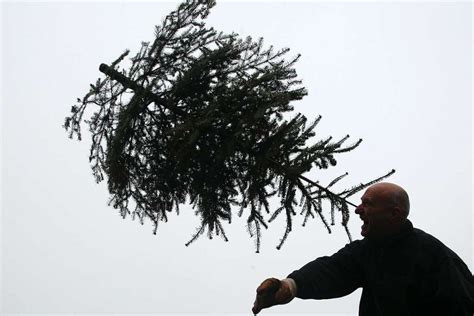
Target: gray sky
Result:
[397, 75]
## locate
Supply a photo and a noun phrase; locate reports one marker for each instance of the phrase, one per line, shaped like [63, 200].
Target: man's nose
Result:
[358, 209]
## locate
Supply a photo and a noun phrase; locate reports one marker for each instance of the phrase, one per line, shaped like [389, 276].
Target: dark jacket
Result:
[411, 273]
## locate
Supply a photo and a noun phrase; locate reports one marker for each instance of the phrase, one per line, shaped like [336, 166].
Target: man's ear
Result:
[396, 213]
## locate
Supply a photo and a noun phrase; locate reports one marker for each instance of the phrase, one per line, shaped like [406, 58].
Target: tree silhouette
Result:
[198, 115]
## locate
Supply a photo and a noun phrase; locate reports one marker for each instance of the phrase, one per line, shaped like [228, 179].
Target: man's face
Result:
[374, 211]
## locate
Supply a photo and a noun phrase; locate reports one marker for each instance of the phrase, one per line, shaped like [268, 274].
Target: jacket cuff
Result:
[292, 285]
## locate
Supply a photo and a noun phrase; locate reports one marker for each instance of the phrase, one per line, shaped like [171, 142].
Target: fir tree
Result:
[199, 115]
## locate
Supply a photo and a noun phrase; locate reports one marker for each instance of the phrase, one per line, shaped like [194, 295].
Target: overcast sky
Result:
[397, 75]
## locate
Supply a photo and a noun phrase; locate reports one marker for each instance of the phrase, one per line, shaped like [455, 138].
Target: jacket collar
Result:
[405, 230]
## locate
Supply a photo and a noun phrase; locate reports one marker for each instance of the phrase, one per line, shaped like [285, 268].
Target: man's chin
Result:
[364, 231]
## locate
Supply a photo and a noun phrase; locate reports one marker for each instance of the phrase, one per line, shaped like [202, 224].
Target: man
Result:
[403, 271]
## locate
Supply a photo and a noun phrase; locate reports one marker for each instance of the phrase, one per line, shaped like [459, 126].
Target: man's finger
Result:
[256, 310]
[257, 306]
[259, 303]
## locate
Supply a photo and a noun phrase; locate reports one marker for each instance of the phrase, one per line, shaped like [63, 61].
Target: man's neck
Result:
[392, 233]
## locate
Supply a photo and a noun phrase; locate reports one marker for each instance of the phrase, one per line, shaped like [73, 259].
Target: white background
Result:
[397, 75]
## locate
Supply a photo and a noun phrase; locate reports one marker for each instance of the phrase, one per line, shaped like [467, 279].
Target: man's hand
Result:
[271, 292]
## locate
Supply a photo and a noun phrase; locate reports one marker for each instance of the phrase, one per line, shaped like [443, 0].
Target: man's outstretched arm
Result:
[325, 277]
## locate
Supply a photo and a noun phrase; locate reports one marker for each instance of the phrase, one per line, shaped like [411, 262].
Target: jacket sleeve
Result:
[331, 277]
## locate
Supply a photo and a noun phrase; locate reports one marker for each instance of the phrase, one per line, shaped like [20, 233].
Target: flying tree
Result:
[200, 116]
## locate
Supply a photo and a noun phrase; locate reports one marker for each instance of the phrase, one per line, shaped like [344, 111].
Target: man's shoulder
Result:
[436, 257]
[432, 246]
[427, 239]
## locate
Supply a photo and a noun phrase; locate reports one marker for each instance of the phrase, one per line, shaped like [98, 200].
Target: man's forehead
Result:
[368, 195]
[373, 192]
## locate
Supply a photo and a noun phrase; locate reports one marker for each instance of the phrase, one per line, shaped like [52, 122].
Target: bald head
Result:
[384, 209]
[393, 194]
